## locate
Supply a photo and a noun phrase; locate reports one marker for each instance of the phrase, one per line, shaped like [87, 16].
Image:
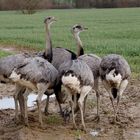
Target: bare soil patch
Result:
[15, 49]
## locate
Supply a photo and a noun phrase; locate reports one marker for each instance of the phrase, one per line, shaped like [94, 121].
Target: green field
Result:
[109, 31]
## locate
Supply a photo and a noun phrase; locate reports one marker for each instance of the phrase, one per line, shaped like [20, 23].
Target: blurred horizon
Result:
[31, 5]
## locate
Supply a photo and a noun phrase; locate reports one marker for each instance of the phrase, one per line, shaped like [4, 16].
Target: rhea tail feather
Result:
[69, 78]
[113, 77]
[14, 76]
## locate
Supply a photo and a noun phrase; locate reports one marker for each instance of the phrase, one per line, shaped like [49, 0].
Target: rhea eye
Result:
[72, 75]
[79, 27]
[49, 17]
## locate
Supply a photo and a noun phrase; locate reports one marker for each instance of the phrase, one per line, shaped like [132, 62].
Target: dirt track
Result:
[56, 129]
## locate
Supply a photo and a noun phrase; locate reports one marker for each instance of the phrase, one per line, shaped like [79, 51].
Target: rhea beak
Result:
[85, 28]
[54, 19]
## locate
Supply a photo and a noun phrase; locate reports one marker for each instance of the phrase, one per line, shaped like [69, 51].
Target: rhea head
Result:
[76, 29]
[49, 20]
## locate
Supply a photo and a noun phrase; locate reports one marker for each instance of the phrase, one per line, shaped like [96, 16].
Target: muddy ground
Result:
[128, 127]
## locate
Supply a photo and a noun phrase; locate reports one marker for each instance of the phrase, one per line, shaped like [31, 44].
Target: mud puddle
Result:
[8, 102]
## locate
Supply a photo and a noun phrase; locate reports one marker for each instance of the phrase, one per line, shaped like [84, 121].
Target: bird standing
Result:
[92, 60]
[78, 79]
[7, 65]
[115, 72]
[37, 73]
[60, 55]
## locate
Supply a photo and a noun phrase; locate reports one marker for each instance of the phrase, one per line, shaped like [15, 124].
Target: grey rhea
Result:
[7, 65]
[92, 60]
[48, 54]
[38, 75]
[77, 78]
[115, 72]
[51, 57]
[60, 55]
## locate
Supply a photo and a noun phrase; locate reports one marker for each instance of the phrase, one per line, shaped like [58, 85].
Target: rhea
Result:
[37, 75]
[7, 65]
[60, 55]
[92, 60]
[115, 72]
[36, 70]
[78, 80]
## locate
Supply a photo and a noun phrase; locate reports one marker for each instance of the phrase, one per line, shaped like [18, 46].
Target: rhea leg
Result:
[108, 89]
[72, 106]
[73, 116]
[41, 90]
[21, 102]
[47, 105]
[122, 87]
[72, 109]
[84, 92]
[25, 95]
[48, 92]
[17, 91]
[96, 87]
[60, 97]
[84, 107]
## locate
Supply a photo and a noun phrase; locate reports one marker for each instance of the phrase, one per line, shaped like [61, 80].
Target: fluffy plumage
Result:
[71, 81]
[93, 61]
[77, 78]
[114, 78]
[115, 72]
[60, 55]
[36, 74]
[81, 69]
[117, 62]
[37, 70]
[7, 64]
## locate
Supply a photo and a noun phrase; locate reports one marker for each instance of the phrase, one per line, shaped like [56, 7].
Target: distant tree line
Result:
[106, 3]
[31, 5]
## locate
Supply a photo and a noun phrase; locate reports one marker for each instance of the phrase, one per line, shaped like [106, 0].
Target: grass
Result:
[53, 120]
[4, 54]
[110, 31]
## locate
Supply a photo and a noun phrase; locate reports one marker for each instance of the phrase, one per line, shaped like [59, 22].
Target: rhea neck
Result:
[48, 50]
[80, 50]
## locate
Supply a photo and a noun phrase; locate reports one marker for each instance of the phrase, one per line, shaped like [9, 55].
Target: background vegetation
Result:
[109, 31]
[43, 4]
